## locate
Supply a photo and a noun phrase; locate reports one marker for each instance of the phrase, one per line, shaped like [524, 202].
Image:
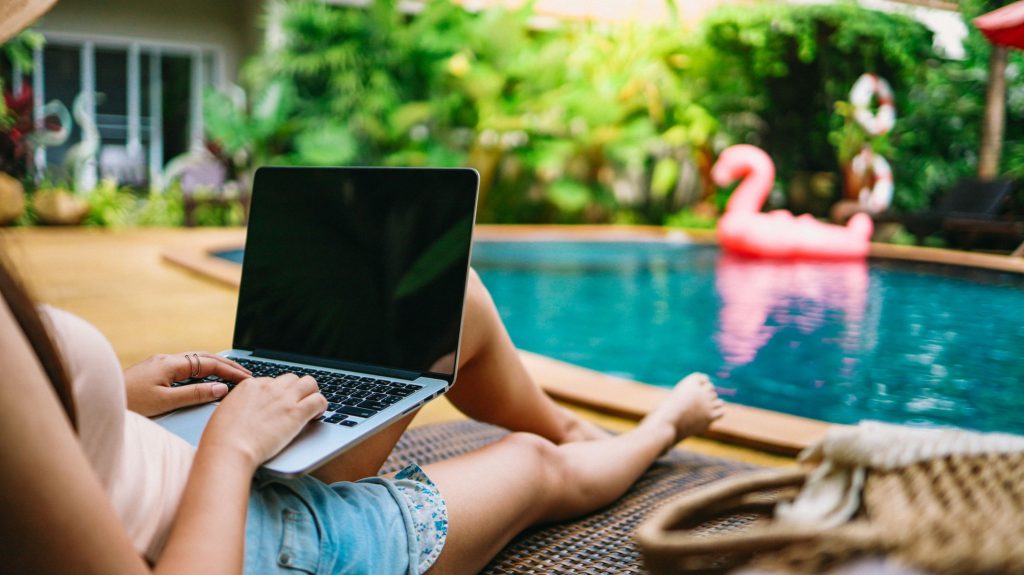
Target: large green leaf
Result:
[225, 122]
[663, 181]
[568, 195]
[326, 145]
[441, 255]
[272, 108]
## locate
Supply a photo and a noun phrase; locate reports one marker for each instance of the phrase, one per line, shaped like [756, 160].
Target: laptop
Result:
[357, 277]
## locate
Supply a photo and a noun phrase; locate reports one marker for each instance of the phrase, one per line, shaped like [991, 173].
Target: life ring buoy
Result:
[882, 121]
[878, 197]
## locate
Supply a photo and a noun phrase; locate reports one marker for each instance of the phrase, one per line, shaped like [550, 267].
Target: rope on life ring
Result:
[882, 121]
[877, 198]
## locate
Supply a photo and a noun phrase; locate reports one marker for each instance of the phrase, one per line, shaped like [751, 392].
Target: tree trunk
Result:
[995, 115]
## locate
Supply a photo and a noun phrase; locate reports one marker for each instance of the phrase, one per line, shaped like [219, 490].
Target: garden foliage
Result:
[591, 122]
[606, 122]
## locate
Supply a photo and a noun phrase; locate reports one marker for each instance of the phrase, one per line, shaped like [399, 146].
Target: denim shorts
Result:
[376, 525]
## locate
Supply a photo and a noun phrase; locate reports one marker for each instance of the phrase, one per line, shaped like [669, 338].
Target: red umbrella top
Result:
[1005, 26]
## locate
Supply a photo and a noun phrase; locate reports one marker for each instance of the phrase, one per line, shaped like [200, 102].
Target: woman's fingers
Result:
[270, 412]
[194, 394]
[227, 361]
[305, 392]
[295, 387]
[192, 364]
[314, 404]
[211, 364]
[306, 386]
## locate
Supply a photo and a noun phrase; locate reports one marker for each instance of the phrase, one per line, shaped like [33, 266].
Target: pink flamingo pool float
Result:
[744, 229]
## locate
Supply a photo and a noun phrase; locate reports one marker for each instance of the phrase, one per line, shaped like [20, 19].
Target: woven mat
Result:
[599, 543]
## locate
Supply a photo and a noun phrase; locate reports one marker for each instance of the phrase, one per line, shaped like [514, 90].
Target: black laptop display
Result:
[360, 267]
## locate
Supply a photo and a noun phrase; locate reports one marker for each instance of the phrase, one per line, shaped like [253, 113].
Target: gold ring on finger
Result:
[197, 367]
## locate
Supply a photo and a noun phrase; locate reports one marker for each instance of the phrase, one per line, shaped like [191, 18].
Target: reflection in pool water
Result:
[756, 296]
[894, 341]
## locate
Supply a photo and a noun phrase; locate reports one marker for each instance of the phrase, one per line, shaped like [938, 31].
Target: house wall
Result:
[230, 25]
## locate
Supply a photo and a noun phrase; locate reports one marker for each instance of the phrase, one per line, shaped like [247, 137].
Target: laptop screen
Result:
[358, 266]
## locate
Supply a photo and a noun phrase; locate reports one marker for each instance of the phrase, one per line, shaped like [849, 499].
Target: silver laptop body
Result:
[357, 277]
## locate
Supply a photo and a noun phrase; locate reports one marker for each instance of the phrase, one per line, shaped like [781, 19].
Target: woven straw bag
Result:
[953, 514]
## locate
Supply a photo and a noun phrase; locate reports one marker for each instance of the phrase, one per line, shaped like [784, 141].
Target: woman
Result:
[88, 487]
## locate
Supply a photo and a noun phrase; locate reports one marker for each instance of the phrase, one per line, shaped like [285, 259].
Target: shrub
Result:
[603, 123]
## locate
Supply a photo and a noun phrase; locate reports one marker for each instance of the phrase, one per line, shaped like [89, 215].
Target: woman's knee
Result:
[561, 491]
[539, 457]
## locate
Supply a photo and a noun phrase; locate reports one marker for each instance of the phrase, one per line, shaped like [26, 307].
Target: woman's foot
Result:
[689, 408]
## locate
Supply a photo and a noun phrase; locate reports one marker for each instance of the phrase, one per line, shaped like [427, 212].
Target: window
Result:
[63, 71]
[148, 107]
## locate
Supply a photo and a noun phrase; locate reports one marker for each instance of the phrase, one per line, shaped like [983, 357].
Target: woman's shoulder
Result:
[65, 326]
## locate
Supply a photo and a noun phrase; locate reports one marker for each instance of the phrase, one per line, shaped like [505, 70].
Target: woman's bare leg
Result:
[493, 386]
[365, 459]
[523, 480]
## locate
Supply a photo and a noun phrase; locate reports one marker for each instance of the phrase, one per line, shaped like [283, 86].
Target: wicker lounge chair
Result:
[969, 212]
[596, 544]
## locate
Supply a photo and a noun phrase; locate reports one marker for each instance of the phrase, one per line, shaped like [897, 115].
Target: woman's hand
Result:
[262, 415]
[148, 384]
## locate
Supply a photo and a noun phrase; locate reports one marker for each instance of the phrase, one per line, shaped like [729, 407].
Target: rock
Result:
[56, 206]
[12, 199]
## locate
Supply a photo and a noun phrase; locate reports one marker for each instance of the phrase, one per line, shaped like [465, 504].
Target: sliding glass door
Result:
[148, 105]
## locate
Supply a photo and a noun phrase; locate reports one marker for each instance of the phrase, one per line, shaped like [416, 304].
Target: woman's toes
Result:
[697, 378]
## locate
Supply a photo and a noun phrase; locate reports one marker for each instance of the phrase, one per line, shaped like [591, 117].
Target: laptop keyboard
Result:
[350, 398]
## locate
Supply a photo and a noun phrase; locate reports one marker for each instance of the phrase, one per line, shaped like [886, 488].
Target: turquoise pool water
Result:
[894, 341]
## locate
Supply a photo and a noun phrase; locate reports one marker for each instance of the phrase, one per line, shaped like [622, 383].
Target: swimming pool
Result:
[896, 341]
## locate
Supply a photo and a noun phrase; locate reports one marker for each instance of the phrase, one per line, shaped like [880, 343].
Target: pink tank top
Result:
[142, 467]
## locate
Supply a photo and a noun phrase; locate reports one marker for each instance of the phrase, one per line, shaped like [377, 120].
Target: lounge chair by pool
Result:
[970, 211]
[600, 543]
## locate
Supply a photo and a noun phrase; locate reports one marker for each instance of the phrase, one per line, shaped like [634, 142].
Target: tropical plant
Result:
[603, 123]
[164, 208]
[564, 125]
[253, 134]
[16, 119]
[782, 68]
[110, 205]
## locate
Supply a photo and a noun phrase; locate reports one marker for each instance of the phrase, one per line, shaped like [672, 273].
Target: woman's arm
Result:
[257, 420]
[209, 529]
[55, 515]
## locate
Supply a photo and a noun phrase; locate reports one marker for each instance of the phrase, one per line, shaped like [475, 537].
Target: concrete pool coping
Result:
[748, 426]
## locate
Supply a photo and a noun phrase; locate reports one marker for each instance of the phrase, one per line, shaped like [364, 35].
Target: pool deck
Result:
[135, 286]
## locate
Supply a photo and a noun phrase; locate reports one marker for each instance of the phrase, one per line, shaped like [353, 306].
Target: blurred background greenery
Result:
[584, 122]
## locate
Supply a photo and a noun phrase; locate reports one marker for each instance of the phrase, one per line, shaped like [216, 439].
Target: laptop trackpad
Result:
[188, 423]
